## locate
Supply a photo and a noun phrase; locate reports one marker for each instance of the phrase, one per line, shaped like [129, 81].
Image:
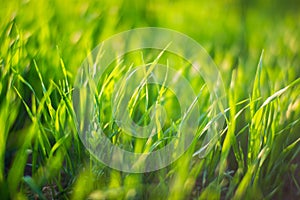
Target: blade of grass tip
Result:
[279, 93]
[62, 137]
[120, 94]
[71, 111]
[161, 92]
[291, 146]
[136, 93]
[135, 96]
[256, 85]
[62, 64]
[254, 149]
[66, 99]
[33, 105]
[35, 120]
[32, 117]
[146, 85]
[289, 126]
[40, 76]
[63, 68]
[28, 85]
[41, 107]
[154, 63]
[57, 121]
[266, 139]
[58, 144]
[99, 55]
[254, 135]
[48, 100]
[107, 80]
[210, 141]
[230, 137]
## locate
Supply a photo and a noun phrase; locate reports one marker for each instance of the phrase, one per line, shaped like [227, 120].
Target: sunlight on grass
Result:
[255, 46]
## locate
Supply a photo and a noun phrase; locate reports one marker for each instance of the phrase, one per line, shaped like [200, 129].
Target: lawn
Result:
[47, 116]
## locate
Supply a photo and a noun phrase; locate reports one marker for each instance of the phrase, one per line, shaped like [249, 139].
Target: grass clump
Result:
[42, 45]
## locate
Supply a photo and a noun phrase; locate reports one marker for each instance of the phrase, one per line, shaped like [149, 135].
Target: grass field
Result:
[255, 47]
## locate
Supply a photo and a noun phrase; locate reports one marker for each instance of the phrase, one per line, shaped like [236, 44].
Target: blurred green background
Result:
[54, 36]
[233, 32]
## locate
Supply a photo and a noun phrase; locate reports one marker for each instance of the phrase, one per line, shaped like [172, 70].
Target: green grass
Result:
[255, 46]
